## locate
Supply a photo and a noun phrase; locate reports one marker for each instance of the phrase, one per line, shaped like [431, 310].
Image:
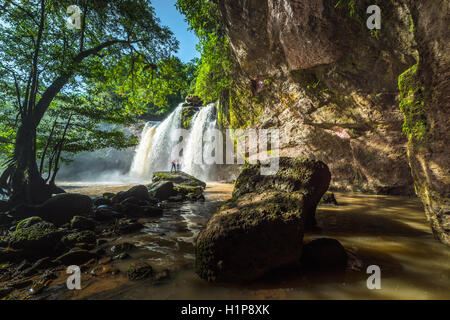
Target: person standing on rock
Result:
[174, 167]
[178, 165]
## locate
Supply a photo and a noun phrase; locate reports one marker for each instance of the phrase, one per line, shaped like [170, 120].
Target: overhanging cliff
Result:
[315, 71]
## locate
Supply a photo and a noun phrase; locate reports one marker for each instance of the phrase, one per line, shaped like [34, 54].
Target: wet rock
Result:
[177, 198]
[261, 228]
[104, 269]
[121, 256]
[122, 247]
[61, 208]
[194, 101]
[324, 254]
[105, 213]
[36, 238]
[82, 223]
[130, 209]
[76, 256]
[188, 190]
[108, 195]
[133, 201]
[85, 236]
[329, 198]
[179, 178]
[139, 270]
[125, 227]
[139, 192]
[162, 190]
[101, 201]
[153, 211]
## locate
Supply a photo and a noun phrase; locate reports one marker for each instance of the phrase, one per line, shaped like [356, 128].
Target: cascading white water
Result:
[159, 142]
[193, 163]
[138, 167]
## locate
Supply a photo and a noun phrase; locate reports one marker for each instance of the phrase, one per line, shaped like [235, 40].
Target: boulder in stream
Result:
[61, 208]
[138, 192]
[163, 190]
[261, 228]
[324, 254]
[178, 178]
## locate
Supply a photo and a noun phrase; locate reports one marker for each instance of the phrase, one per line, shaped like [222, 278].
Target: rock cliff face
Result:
[331, 85]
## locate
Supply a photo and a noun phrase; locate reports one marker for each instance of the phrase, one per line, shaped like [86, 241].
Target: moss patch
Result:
[178, 178]
[25, 223]
[412, 104]
[186, 117]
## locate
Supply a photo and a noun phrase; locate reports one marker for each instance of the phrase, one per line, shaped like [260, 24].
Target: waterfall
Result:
[159, 142]
[192, 160]
[138, 167]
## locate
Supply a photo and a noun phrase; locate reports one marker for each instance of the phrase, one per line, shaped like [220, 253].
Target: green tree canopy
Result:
[214, 68]
[43, 61]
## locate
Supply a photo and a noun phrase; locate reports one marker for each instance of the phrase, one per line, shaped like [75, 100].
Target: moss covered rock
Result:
[35, 237]
[180, 178]
[86, 236]
[309, 177]
[28, 222]
[251, 236]
[187, 115]
[261, 228]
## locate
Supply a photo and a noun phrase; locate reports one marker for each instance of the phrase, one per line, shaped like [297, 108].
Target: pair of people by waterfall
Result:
[175, 165]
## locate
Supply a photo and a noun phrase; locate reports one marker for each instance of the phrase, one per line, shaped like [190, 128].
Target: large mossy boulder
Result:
[179, 178]
[309, 177]
[250, 236]
[261, 228]
[35, 237]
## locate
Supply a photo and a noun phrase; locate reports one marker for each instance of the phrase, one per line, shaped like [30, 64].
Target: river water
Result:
[387, 231]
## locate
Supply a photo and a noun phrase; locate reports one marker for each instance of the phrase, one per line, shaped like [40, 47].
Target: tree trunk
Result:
[26, 183]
